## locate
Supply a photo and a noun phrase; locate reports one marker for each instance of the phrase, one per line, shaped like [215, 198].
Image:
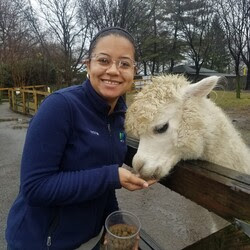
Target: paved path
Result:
[12, 134]
[173, 221]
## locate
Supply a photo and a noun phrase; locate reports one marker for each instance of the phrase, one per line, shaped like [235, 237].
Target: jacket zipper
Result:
[111, 141]
[48, 242]
[109, 129]
[51, 230]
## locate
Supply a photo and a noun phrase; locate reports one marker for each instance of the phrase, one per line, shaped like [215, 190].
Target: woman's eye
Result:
[104, 61]
[161, 129]
[125, 64]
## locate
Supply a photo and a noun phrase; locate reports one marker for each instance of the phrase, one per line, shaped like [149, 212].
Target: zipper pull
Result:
[109, 128]
[49, 241]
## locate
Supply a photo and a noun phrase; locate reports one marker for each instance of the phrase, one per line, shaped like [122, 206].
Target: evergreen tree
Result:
[218, 57]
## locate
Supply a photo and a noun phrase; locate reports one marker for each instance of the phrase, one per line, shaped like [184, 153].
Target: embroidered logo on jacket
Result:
[122, 136]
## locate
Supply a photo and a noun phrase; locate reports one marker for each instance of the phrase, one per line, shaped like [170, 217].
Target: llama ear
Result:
[201, 88]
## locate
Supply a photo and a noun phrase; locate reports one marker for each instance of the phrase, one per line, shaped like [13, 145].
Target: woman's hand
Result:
[132, 182]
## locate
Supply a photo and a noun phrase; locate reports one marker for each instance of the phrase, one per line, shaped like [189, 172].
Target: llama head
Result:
[167, 117]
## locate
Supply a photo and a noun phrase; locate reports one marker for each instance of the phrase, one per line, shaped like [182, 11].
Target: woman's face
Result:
[107, 78]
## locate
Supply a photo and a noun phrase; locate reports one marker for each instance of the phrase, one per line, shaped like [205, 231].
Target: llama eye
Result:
[161, 129]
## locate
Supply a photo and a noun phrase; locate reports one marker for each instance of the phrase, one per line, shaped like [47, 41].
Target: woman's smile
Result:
[111, 82]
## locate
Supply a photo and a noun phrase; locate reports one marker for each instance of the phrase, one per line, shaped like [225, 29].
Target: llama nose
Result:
[138, 163]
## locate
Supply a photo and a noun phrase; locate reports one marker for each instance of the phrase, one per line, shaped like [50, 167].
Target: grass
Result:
[224, 99]
[228, 100]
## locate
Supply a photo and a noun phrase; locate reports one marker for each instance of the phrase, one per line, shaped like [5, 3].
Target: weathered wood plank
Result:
[34, 87]
[221, 190]
[13, 99]
[228, 238]
[24, 103]
[35, 101]
[35, 91]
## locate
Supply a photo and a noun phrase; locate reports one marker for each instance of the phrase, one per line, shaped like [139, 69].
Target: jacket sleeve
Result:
[42, 181]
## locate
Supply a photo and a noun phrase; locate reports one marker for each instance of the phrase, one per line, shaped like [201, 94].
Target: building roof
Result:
[188, 69]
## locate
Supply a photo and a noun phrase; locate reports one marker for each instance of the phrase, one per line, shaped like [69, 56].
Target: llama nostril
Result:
[137, 163]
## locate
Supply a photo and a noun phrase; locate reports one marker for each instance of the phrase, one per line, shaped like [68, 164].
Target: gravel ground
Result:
[170, 219]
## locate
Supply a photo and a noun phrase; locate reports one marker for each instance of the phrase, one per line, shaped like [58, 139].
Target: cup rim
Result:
[123, 212]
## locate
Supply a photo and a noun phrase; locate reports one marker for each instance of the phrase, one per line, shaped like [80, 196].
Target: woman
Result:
[72, 157]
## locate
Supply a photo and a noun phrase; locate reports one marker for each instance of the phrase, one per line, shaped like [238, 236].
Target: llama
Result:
[174, 120]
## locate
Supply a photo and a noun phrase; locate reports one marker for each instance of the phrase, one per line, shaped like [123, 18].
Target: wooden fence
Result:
[220, 190]
[25, 100]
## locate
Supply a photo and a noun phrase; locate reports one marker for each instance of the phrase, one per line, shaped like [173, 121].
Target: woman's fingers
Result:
[151, 182]
[131, 181]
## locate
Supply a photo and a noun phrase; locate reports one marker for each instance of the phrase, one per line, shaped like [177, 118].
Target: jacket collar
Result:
[99, 103]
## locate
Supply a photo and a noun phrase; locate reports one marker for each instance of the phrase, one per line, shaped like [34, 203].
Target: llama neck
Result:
[223, 144]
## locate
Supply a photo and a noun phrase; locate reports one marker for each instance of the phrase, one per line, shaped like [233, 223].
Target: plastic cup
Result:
[122, 230]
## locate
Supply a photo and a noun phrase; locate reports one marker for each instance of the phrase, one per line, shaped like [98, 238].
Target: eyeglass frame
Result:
[117, 62]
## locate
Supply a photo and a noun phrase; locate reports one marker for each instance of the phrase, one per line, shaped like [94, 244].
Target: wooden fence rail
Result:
[221, 190]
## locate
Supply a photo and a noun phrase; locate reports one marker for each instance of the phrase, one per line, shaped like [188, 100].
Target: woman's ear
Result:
[87, 63]
[135, 70]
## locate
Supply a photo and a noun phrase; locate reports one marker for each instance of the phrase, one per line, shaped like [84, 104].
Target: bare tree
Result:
[231, 21]
[235, 20]
[15, 39]
[106, 13]
[195, 22]
[245, 52]
[68, 29]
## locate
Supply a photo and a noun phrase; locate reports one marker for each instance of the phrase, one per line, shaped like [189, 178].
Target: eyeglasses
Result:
[105, 61]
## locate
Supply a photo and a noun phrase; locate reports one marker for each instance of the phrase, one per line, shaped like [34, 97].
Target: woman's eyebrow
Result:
[101, 53]
[121, 57]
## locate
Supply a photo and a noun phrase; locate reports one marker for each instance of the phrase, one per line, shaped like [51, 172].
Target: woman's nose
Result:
[113, 69]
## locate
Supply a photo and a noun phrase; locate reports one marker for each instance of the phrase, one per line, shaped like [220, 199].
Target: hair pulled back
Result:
[111, 31]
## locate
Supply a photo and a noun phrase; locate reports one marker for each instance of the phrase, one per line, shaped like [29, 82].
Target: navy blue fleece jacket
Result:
[69, 171]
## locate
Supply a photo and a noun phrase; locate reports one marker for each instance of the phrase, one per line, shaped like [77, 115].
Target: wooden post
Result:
[9, 96]
[13, 99]
[23, 101]
[35, 100]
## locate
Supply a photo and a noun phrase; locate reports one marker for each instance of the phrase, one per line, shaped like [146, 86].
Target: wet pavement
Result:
[12, 133]
[173, 221]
